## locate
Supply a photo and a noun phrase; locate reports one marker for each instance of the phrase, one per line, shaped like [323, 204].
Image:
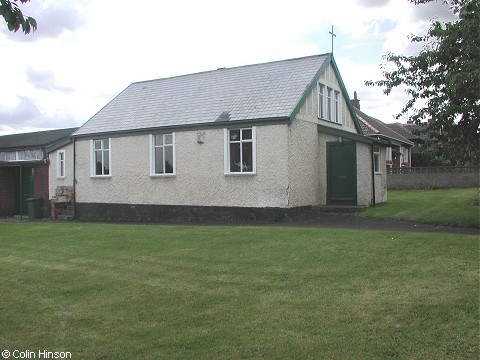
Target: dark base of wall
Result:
[182, 214]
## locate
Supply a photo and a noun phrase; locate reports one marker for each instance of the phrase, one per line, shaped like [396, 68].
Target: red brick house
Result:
[24, 170]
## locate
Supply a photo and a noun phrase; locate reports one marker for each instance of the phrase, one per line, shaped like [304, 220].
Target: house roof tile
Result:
[34, 139]
[262, 91]
[372, 126]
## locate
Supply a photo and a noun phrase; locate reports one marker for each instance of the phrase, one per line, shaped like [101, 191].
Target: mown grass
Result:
[450, 207]
[168, 292]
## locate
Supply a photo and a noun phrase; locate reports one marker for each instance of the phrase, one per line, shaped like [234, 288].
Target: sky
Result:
[86, 52]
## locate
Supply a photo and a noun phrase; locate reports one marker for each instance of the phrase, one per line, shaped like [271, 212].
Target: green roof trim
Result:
[191, 127]
[310, 87]
[344, 134]
[347, 97]
[329, 60]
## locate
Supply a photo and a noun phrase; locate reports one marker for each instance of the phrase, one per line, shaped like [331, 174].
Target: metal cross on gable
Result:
[333, 35]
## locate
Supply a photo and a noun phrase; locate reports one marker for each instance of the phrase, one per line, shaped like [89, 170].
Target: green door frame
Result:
[333, 167]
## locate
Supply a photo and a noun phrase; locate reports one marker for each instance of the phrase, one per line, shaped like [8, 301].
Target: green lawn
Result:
[451, 207]
[169, 292]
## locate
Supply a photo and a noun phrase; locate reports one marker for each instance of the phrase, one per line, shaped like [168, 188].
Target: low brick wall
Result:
[432, 177]
[182, 214]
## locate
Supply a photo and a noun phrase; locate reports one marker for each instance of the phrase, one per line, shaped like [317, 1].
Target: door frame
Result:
[331, 147]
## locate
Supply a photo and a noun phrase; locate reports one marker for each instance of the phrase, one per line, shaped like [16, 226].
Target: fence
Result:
[432, 177]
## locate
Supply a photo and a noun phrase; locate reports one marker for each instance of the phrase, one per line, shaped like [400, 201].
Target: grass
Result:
[450, 207]
[167, 292]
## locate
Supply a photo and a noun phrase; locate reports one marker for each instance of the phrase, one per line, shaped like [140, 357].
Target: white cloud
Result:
[85, 52]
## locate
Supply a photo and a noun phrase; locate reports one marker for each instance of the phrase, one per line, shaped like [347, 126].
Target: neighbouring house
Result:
[398, 151]
[252, 142]
[24, 170]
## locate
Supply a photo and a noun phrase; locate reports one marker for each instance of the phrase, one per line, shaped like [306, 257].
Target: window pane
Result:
[329, 103]
[21, 155]
[159, 160]
[105, 144]
[106, 163]
[168, 139]
[247, 157]
[11, 156]
[97, 144]
[247, 134]
[3, 156]
[169, 159]
[235, 157]
[234, 135]
[98, 163]
[158, 140]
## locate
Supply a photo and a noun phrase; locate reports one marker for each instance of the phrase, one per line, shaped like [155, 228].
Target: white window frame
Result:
[226, 142]
[92, 158]
[61, 164]
[376, 160]
[329, 104]
[152, 155]
[321, 101]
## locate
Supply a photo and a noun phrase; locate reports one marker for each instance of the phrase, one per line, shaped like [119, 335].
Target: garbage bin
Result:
[34, 207]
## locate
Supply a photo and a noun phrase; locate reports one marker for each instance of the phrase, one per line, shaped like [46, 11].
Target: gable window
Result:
[162, 154]
[321, 101]
[101, 157]
[376, 159]
[60, 163]
[329, 105]
[240, 151]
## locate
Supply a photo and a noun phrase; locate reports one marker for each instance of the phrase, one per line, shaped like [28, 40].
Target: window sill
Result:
[100, 176]
[330, 121]
[241, 174]
[378, 173]
[162, 175]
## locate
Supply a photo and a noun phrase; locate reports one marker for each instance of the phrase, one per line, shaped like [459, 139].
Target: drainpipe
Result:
[373, 175]
[73, 187]
[21, 192]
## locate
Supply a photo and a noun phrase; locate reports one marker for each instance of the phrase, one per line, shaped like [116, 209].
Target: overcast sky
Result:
[85, 52]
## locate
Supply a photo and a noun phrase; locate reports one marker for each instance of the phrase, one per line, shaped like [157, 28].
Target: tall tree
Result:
[443, 81]
[14, 17]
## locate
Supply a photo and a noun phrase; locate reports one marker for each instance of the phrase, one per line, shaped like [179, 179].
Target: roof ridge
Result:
[229, 68]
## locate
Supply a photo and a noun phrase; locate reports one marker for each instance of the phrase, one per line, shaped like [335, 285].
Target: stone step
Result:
[65, 217]
[338, 209]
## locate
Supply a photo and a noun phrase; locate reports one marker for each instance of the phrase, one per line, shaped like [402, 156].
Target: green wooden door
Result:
[24, 189]
[341, 173]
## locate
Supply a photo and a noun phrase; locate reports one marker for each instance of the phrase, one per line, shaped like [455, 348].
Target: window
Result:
[240, 151]
[60, 163]
[321, 101]
[101, 157]
[376, 159]
[21, 155]
[336, 107]
[329, 104]
[162, 155]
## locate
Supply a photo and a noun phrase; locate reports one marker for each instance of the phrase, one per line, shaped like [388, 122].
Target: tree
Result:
[443, 81]
[14, 17]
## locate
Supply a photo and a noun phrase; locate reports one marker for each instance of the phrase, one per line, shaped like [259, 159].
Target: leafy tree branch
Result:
[14, 17]
[443, 80]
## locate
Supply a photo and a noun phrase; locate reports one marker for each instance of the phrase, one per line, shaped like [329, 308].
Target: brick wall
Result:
[433, 178]
[7, 191]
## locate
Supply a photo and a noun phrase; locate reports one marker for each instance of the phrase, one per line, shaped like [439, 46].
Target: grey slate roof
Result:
[34, 139]
[371, 126]
[261, 91]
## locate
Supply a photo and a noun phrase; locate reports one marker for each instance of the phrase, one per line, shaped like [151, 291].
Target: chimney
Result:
[355, 102]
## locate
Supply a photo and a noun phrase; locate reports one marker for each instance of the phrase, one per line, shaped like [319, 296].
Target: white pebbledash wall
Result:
[199, 179]
[55, 181]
